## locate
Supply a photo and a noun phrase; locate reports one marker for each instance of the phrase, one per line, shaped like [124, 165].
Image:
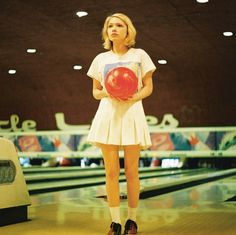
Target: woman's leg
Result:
[112, 168]
[132, 154]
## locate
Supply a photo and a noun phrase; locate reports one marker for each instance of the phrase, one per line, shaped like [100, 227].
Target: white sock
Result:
[115, 214]
[132, 213]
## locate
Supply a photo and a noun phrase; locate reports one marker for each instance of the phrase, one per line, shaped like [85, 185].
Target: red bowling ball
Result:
[121, 82]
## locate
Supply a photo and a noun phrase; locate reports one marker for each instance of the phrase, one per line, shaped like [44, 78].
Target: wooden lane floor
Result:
[202, 209]
[48, 180]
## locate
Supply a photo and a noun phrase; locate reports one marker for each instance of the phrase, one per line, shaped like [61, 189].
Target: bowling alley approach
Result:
[117, 117]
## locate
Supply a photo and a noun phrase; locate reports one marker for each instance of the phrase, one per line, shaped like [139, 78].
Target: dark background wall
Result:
[196, 85]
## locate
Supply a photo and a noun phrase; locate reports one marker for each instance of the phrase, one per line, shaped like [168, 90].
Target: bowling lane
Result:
[205, 209]
[54, 181]
[197, 210]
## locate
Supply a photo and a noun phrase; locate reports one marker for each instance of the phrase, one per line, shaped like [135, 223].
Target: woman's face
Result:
[116, 30]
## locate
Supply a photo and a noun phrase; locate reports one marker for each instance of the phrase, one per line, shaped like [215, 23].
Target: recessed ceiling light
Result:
[162, 61]
[202, 1]
[81, 13]
[11, 71]
[77, 67]
[228, 34]
[31, 50]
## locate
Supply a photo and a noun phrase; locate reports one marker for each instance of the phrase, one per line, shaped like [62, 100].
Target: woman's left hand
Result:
[133, 98]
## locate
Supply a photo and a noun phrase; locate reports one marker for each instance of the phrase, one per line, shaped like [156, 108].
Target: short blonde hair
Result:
[131, 31]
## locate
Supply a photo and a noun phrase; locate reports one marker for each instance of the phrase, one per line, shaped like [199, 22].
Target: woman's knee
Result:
[131, 173]
[112, 174]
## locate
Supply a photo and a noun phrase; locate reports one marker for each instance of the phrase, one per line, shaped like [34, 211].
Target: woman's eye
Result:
[116, 25]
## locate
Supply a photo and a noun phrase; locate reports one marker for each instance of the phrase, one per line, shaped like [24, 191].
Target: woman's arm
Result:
[98, 91]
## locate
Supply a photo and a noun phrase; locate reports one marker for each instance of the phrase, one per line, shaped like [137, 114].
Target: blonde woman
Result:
[121, 123]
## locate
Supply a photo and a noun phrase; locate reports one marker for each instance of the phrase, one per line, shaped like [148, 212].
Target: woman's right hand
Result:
[98, 90]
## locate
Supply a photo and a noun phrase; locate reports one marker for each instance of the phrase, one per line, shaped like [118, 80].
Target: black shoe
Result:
[130, 227]
[115, 229]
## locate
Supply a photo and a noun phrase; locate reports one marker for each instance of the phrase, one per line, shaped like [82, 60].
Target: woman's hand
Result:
[98, 90]
[136, 97]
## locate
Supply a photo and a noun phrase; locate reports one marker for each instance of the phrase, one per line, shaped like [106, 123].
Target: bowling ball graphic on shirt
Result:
[121, 82]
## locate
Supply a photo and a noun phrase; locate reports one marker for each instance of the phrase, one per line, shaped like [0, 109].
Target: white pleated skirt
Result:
[119, 123]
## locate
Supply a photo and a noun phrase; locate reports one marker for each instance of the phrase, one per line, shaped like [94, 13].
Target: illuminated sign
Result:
[14, 125]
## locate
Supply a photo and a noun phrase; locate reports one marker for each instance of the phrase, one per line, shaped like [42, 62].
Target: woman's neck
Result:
[119, 49]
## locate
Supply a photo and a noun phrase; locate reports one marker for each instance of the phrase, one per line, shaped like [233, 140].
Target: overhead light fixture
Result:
[228, 34]
[81, 13]
[202, 1]
[77, 67]
[162, 61]
[11, 71]
[31, 50]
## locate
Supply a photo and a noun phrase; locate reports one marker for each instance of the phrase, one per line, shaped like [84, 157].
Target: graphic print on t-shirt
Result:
[135, 67]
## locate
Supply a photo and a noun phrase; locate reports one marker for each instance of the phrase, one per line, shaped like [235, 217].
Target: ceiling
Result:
[198, 79]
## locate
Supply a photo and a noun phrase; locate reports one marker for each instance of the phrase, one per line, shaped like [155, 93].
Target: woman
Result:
[120, 123]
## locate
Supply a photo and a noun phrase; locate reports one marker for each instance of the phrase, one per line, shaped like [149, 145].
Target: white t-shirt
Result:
[135, 59]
